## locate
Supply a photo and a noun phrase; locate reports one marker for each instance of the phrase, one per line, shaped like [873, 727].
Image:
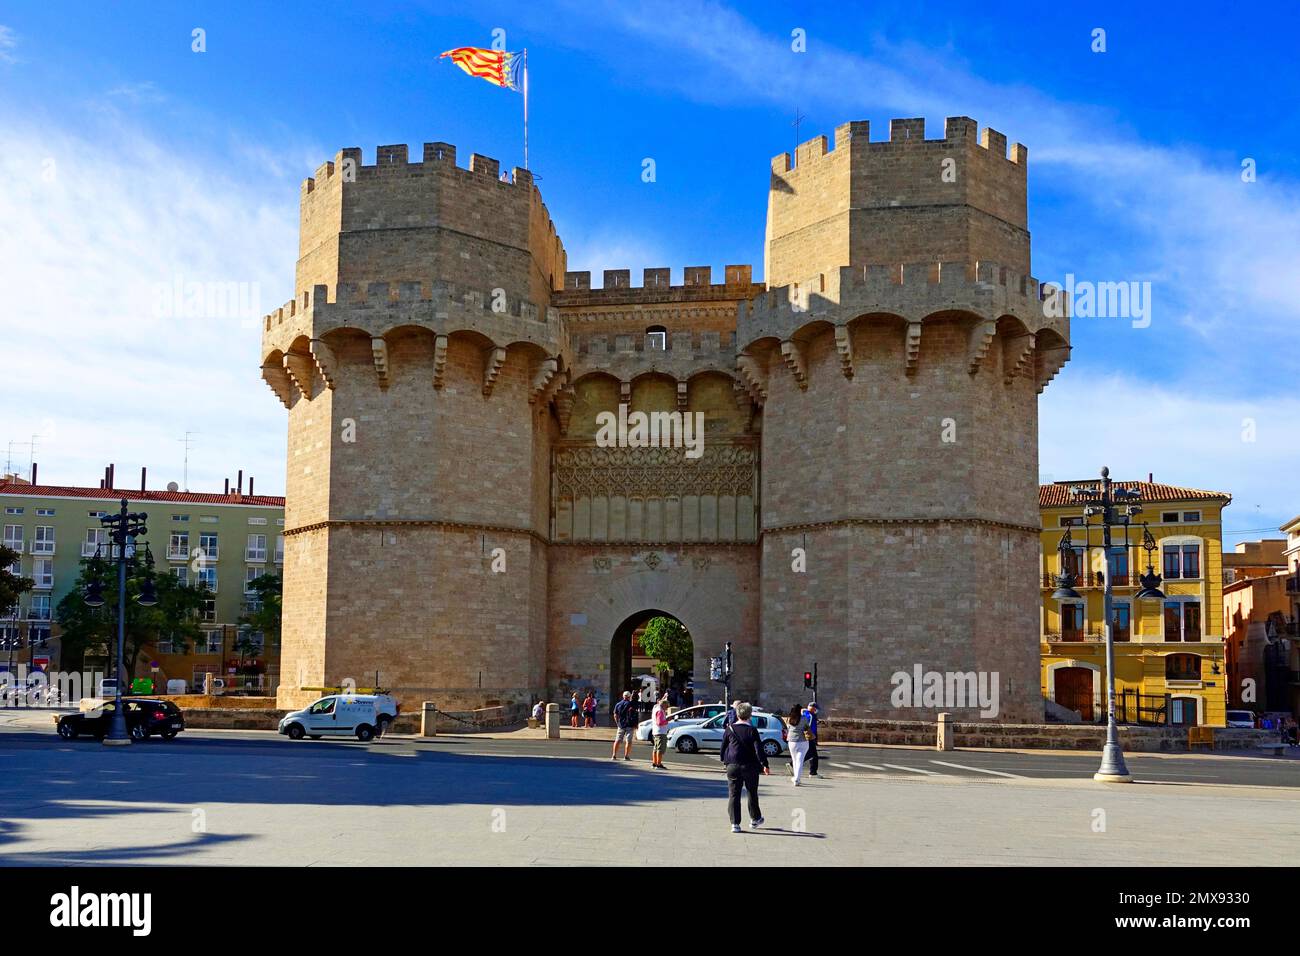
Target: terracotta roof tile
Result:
[1057, 494]
[116, 494]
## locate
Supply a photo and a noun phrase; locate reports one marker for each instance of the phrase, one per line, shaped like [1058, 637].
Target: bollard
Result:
[946, 733]
[429, 719]
[207, 684]
[553, 721]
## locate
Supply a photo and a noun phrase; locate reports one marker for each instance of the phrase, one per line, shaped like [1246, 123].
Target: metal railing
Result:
[1092, 579]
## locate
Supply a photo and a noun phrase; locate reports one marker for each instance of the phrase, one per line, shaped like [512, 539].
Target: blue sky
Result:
[132, 161]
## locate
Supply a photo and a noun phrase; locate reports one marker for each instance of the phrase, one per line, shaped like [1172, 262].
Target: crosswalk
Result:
[930, 768]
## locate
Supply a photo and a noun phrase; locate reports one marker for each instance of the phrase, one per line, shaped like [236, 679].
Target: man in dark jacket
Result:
[742, 753]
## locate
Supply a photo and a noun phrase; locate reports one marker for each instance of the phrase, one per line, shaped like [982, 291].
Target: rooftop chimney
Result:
[143, 473]
[33, 473]
[112, 473]
[239, 489]
[1151, 477]
[250, 486]
[227, 491]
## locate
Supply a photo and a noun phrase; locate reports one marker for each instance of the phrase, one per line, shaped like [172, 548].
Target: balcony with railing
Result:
[1092, 634]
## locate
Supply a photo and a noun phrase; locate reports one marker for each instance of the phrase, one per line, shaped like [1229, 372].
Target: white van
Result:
[342, 715]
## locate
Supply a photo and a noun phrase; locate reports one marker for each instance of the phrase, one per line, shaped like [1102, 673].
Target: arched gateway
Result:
[493, 466]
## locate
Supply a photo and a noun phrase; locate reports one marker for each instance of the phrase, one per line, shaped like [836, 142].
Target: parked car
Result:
[145, 717]
[1241, 718]
[691, 738]
[687, 715]
[342, 715]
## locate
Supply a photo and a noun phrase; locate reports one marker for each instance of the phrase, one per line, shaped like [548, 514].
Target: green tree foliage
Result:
[12, 586]
[667, 641]
[264, 610]
[174, 618]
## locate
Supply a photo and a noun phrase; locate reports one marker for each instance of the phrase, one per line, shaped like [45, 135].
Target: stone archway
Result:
[625, 664]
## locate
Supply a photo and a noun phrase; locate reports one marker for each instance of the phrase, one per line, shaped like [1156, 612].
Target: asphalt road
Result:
[28, 731]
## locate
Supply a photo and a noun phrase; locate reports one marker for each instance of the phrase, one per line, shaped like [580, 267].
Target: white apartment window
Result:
[257, 521]
[13, 511]
[43, 573]
[182, 572]
[178, 546]
[166, 647]
[279, 549]
[45, 512]
[96, 542]
[14, 537]
[207, 519]
[43, 539]
[208, 545]
[207, 576]
[279, 522]
[251, 575]
[256, 548]
[208, 614]
[180, 517]
[1169, 517]
[1192, 516]
[214, 641]
[96, 514]
[40, 609]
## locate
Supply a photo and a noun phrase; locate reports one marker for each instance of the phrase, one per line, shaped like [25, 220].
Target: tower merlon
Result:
[903, 133]
[656, 285]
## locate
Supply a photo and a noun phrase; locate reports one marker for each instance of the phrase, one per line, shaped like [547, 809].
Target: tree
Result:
[667, 641]
[174, 618]
[263, 612]
[12, 586]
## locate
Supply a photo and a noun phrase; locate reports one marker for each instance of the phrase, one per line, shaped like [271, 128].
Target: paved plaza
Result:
[228, 798]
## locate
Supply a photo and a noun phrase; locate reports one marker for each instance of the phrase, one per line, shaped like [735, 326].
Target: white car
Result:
[1241, 718]
[342, 715]
[692, 738]
[697, 714]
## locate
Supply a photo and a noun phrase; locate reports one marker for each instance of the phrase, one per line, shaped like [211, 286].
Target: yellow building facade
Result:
[1169, 654]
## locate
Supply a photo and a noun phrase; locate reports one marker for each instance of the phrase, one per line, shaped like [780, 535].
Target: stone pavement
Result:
[399, 803]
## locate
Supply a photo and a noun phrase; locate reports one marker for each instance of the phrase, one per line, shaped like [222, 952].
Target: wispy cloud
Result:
[96, 241]
[8, 43]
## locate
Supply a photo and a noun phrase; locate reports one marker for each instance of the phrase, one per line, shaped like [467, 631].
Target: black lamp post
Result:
[124, 527]
[1115, 507]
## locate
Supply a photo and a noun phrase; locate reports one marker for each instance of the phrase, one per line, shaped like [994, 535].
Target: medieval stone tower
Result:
[866, 495]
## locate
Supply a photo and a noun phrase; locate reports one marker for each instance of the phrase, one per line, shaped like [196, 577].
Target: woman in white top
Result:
[797, 724]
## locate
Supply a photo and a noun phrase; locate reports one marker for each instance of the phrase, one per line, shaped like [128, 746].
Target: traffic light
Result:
[807, 679]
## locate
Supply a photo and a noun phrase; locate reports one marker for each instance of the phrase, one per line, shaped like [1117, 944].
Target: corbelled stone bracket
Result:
[546, 372]
[496, 357]
[323, 356]
[564, 401]
[625, 392]
[982, 336]
[754, 376]
[913, 346]
[300, 368]
[681, 395]
[1049, 363]
[278, 378]
[1019, 353]
[379, 352]
[844, 346]
[792, 352]
[439, 360]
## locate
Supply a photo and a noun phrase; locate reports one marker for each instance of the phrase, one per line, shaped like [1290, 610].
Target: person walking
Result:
[659, 730]
[589, 709]
[573, 710]
[742, 754]
[797, 741]
[625, 724]
[810, 714]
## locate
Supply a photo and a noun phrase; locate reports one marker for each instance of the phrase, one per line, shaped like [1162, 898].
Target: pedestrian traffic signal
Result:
[807, 678]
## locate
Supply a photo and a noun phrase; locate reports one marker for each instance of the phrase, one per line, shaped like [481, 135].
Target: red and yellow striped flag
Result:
[498, 67]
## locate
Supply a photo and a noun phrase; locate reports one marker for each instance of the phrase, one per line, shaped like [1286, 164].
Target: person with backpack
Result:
[742, 755]
[625, 724]
[589, 709]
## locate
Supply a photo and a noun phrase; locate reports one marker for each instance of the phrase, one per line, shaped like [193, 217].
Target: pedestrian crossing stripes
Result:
[964, 769]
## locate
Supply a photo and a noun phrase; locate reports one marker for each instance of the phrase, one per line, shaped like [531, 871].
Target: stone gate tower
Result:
[866, 497]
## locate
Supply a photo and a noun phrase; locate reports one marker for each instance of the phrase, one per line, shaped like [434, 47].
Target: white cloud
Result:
[8, 43]
[1184, 437]
[101, 221]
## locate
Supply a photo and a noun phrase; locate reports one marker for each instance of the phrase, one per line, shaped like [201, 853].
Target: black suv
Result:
[145, 717]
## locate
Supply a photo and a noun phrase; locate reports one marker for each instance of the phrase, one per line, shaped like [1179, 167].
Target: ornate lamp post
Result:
[1115, 507]
[124, 527]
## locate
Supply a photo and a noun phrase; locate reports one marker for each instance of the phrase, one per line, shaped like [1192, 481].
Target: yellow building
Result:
[1169, 654]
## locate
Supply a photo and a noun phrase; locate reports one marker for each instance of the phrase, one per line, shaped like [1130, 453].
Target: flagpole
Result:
[525, 107]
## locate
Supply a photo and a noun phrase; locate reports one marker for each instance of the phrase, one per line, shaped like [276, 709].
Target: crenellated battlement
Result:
[904, 134]
[656, 287]
[349, 165]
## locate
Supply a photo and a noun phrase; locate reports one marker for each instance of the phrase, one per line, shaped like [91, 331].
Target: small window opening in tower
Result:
[656, 338]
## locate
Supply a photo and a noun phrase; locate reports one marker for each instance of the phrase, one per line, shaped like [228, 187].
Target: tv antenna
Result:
[189, 443]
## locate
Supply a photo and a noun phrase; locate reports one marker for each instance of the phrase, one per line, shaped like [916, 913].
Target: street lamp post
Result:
[124, 527]
[1115, 507]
